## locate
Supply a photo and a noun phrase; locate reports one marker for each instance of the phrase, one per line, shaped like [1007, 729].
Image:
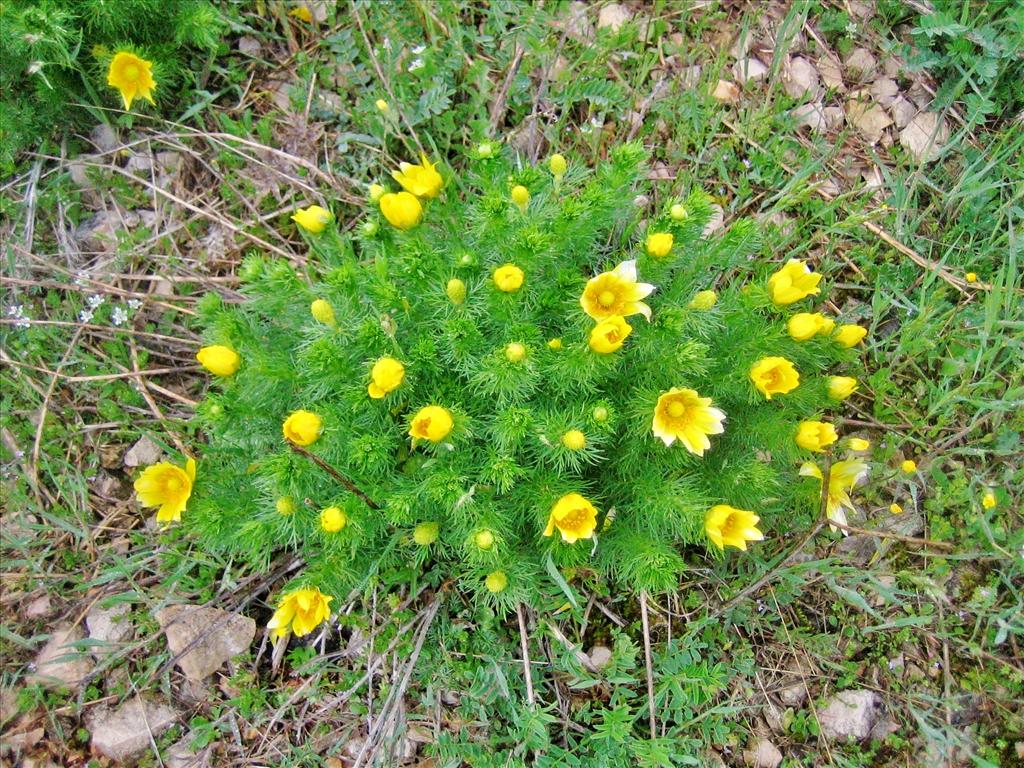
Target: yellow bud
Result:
[455, 290]
[558, 165]
[515, 352]
[285, 505]
[909, 466]
[484, 539]
[485, 149]
[521, 197]
[402, 209]
[555, 344]
[382, 105]
[333, 519]
[858, 444]
[600, 414]
[895, 508]
[678, 212]
[313, 219]
[850, 335]
[496, 582]
[425, 534]
[971, 277]
[704, 300]
[988, 501]
[376, 192]
[659, 244]
[323, 312]
[574, 440]
[841, 387]
[219, 360]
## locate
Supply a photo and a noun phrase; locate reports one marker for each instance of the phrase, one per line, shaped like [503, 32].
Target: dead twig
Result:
[524, 645]
[336, 475]
[648, 663]
[943, 545]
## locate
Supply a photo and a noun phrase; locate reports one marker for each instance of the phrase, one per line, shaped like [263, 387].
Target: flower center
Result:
[676, 409]
[131, 72]
[573, 520]
[606, 299]
[612, 335]
[423, 425]
[729, 527]
[172, 484]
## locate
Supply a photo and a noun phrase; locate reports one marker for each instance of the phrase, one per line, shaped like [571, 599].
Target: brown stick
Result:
[526, 654]
[336, 475]
[943, 545]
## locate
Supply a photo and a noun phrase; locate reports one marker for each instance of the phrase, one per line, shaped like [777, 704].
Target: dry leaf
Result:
[925, 136]
[885, 91]
[726, 92]
[831, 72]
[800, 79]
[902, 112]
[870, 119]
[810, 116]
[749, 70]
[861, 63]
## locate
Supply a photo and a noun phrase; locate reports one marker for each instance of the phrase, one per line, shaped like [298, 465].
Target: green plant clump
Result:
[537, 414]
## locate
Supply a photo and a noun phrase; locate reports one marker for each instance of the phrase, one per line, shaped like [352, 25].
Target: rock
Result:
[902, 111]
[100, 232]
[715, 223]
[726, 92]
[181, 755]
[8, 705]
[831, 72]
[576, 23]
[59, 665]
[793, 695]
[749, 70]
[870, 119]
[600, 656]
[800, 79]
[849, 714]
[108, 627]
[125, 733]
[834, 117]
[858, 548]
[810, 116]
[925, 136]
[885, 91]
[741, 45]
[763, 754]
[143, 453]
[104, 138]
[861, 63]
[38, 608]
[249, 45]
[221, 636]
[613, 16]
[23, 741]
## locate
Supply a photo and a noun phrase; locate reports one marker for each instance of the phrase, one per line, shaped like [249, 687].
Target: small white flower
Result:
[119, 316]
[17, 312]
[85, 316]
[851, 28]
[134, 303]
[95, 300]
[417, 63]
[419, 49]
[80, 277]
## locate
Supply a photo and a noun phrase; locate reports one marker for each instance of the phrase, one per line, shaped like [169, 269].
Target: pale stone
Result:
[763, 754]
[925, 136]
[613, 16]
[59, 665]
[849, 714]
[885, 91]
[218, 636]
[869, 119]
[104, 138]
[600, 656]
[143, 453]
[108, 627]
[810, 116]
[749, 70]
[800, 79]
[38, 608]
[902, 112]
[249, 45]
[831, 72]
[834, 117]
[125, 733]
[726, 92]
[861, 63]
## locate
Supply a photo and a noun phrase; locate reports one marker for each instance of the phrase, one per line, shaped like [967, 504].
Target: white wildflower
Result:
[417, 63]
[95, 300]
[17, 313]
[418, 50]
[85, 316]
[134, 303]
[119, 316]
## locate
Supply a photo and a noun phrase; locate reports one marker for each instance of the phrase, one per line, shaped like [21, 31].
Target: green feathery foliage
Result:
[503, 466]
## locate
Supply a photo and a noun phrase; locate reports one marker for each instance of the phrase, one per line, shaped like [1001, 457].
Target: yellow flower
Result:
[678, 212]
[333, 519]
[323, 312]
[431, 423]
[793, 282]
[515, 352]
[850, 335]
[425, 534]
[300, 611]
[422, 180]
[521, 197]
[483, 539]
[219, 360]
[574, 440]
[806, 325]
[555, 344]
[683, 415]
[402, 209]
[909, 466]
[455, 290]
[574, 517]
[132, 76]
[376, 193]
[302, 428]
[815, 435]
[988, 501]
[730, 527]
[313, 219]
[843, 476]
[387, 375]
[659, 244]
[895, 508]
[774, 376]
[704, 300]
[496, 581]
[971, 277]
[558, 166]
[858, 444]
[616, 293]
[382, 105]
[285, 506]
[166, 486]
[609, 335]
[508, 278]
[841, 387]
[302, 13]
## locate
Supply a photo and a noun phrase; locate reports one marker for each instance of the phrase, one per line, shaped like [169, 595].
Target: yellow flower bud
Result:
[574, 440]
[858, 444]
[485, 149]
[333, 519]
[815, 435]
[219, 360]
[496, 582]
[521, 197]
[678, 212]
[971, 277]
[376, 193]
[323, 312]
[850, 335]
[425, 534]
[841, 387]
[988, 501]
[659, 244]
[704, 300]
[285, 506]
[456, 291]
[558, 166]
[909, 466]
[515, 352]
[302, 428]
[403, 210]
[895, 508]
[313, 219]
[484, 539]
[370, 227]
[609, 335]
[508, 278]
[600, 414]
[805, 325]
[431, 423]
[302, 13]
[555, 344]
[382, 105]
[387, 375]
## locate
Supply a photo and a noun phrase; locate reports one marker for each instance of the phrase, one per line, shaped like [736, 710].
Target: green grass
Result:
[946, 390]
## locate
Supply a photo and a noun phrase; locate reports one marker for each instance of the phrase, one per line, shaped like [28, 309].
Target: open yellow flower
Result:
[422, 180]
[842, 477]
[616, 293]
[609, 335]
[219, 360]
[387, 375]
[313, 219]
[302, 428]
[806, 325]
[850, 335]
[988, 501]
[574, 517]
[730, 527]
[858, 444]
[508, 278]
[793, 282]
[815, 435]
[300, 612]
[774, 376]
[432, 423]
[659, 244]
[302, 13]
[683, 415]
[168, 487]
[132, 76]
[403, 210]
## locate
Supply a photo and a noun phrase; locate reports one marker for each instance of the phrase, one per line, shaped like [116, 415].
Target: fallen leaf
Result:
[925, 136]
[810, 116]
[902, 112]
[749, 70]
[800, 79]
[726, 92]
[861, 63]
[884, 91]
[870, 119]
[831, 72]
